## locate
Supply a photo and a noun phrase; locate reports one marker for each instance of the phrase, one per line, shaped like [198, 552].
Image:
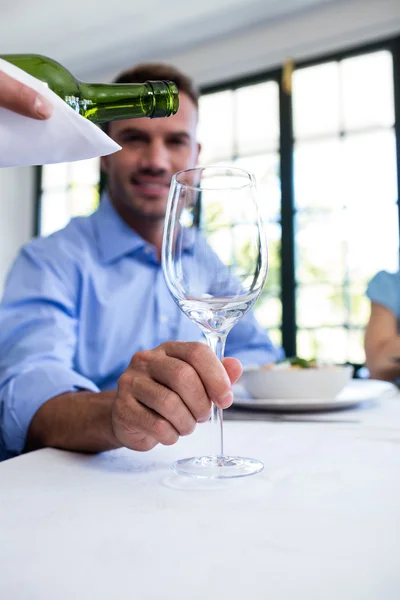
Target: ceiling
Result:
[94, 38]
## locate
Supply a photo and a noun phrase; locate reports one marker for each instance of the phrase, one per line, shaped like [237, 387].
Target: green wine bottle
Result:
[101, 102]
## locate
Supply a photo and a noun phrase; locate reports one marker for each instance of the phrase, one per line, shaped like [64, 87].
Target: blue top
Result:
[77, 305]
[384, 289]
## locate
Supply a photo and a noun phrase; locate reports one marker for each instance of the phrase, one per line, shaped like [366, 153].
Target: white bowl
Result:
[319, 382]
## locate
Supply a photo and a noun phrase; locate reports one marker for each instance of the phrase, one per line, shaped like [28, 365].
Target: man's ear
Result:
[198, 151]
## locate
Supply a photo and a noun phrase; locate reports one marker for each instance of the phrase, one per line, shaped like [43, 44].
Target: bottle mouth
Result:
[165, 99]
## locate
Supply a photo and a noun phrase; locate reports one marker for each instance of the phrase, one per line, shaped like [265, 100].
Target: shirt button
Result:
[147, 250]
[163, 319]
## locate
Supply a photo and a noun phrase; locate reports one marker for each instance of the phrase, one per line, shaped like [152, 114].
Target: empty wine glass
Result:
[214, 259]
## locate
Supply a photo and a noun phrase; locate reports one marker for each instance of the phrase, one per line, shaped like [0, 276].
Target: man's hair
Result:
[158, 72]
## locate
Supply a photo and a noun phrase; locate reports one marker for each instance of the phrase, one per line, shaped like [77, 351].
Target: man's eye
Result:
[178, 142]
[132, 138]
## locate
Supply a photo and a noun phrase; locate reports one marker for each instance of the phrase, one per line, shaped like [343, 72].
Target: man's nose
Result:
[156, 156]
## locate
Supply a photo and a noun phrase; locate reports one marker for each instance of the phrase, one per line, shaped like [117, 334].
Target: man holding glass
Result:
[94, 353]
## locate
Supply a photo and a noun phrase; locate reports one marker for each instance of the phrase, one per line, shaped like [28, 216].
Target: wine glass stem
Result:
[217, 341]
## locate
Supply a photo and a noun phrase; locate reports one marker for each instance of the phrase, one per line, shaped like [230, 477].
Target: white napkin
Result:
[65, 137]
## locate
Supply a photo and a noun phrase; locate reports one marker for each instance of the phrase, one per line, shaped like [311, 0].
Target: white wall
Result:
[337, 24]
[16, 213]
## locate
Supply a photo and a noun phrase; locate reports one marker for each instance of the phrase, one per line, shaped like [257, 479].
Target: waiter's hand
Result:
[22, 99]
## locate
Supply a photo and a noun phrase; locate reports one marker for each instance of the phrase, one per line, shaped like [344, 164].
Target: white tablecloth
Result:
[321, 522]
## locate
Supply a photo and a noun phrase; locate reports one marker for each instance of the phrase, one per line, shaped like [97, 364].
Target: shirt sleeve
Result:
[384, 289]
[38, 340]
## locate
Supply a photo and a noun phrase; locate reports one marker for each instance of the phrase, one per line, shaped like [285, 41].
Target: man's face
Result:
[139, 175]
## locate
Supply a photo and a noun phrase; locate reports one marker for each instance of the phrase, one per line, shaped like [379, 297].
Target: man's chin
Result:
[155, 211]
[152, 213]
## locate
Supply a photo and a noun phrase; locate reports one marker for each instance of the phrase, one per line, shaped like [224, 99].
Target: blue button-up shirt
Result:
[77, 306]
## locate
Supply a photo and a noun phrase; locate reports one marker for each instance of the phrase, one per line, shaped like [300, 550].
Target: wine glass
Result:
[214, 259]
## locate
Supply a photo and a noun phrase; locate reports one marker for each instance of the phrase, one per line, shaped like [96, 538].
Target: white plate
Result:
[355, 392]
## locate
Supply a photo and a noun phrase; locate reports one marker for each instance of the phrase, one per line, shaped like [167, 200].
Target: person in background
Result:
[94, 352]
[21, 99]
[382, 340]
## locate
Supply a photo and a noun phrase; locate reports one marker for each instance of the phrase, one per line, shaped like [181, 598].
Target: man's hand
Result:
[165, 392]
[22, 99]
[162, 395]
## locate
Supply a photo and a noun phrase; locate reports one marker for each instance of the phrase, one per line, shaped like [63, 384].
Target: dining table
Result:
[320, 522]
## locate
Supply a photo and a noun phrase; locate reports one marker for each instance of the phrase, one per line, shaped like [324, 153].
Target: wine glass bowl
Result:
[214, 259]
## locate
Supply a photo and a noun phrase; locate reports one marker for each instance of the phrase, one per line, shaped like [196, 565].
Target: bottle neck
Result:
[108, 102]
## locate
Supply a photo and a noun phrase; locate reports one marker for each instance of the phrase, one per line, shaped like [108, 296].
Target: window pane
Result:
[274, 235]
[306, 346]
[265, 168]
[257, 117]
[268, 311]
[85, 172]
[369, 169]
[321, 247]
[317, 174]
[83, 200]
[55, 212]
[276, 336]
[367, 90]
[374, 242]
[55, 176]
[69, 190]
[355, 348]
[216, 126]
[356, 170]
[325, 344]
[319, 305]
[359, 305]
[316, 100]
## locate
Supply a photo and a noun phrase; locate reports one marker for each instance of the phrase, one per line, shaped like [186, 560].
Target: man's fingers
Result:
[179, 376]
[211, 371]
[167, 403]
[233, 367]
[22, 99]
[136, 425]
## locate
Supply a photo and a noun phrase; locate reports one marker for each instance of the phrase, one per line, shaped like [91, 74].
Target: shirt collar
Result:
[115, 238]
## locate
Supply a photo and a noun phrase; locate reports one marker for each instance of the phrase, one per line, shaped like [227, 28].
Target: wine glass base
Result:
[217, 467]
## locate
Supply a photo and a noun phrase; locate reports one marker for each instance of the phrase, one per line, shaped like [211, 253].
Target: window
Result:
[325, 160]
[67, 190]
[345, 198]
